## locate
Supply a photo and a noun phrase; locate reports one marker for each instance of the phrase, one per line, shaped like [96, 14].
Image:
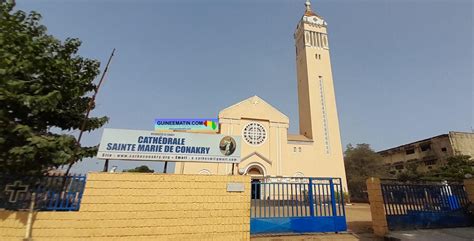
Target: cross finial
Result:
[308, 5]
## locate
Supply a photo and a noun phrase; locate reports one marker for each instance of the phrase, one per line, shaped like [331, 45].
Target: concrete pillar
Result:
[469, 186]
[379, 220]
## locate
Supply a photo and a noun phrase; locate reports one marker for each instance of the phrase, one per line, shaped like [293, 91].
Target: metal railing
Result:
[296, 197]
[400, 199]
[58, 193]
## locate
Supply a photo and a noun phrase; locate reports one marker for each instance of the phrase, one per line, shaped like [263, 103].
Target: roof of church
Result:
[311, 13]
[296, 137]
[254, 108]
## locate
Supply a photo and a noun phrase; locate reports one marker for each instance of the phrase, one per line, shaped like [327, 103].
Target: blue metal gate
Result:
[297, 205]
[413, 206]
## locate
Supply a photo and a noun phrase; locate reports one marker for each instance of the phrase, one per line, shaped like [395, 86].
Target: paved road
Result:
[307, 237]
[448, 234]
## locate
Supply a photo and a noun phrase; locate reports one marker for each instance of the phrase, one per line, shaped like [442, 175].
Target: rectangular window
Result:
[399, 167]
[318, 43]
[410, 151]
[425, 147]
[430, 162]
[325, 41]
[444, 149]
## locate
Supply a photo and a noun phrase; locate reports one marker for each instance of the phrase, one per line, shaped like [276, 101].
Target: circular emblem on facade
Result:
[254, 134]
[227, 145]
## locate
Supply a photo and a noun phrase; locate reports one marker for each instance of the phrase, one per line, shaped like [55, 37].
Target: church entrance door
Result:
[256, 189]
[256, 174]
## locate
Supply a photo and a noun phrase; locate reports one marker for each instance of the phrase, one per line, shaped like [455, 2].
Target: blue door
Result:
[297, 205]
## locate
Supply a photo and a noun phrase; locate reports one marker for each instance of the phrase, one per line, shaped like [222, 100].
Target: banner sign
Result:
[120, 144]
[187, 124]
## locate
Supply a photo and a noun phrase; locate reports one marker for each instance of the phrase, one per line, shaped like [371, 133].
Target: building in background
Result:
[428, 153]
[267, 147]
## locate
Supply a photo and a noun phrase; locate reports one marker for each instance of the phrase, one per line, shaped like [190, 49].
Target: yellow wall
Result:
[132, 206]
[377, 211]
[469, 187]
[463, 142]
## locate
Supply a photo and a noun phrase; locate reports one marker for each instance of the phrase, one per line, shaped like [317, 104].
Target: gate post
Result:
[311, 197]
[333, 197]
[379, 219]
[469, 187]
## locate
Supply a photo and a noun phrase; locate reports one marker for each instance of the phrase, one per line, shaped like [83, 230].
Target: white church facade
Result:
[267, 149]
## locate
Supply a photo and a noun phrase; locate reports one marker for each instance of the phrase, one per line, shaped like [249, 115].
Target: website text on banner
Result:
[121, 144]
[210, 125]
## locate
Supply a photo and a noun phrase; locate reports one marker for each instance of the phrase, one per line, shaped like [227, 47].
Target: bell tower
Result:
[318, 118]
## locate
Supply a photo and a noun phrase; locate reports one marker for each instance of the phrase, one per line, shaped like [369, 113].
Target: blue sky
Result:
[403, 70]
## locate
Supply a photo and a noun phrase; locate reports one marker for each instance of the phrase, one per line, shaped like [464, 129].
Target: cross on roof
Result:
[15, 190]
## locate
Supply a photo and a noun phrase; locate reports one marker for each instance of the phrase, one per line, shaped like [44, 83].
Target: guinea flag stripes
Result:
[211, 124]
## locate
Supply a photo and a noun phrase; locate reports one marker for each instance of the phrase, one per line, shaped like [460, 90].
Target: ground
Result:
[451, 234]
[358, 218]
[359, 223]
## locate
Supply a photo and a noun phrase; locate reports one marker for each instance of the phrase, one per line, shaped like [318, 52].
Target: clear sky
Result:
[403, 70]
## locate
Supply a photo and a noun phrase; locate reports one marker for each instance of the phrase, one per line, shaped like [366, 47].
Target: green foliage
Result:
[45, 88]
[361, 162]
[455, 169]
[143, 169]
[410, 173]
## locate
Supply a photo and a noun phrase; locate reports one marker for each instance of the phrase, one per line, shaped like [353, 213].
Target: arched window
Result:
[298, 174]
[204, 172]
[255, 169]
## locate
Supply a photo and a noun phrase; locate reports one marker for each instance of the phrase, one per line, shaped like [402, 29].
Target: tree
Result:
[410, 173]
[143, 169]
[361, 162]
[45, 90]
[455, 169]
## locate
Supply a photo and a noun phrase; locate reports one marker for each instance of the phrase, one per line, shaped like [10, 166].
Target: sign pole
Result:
[106, 165]
[89, 108]
[29, 223]
[165, 167]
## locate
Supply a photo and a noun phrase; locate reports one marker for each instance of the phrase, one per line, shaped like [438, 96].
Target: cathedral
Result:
[267, 149]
